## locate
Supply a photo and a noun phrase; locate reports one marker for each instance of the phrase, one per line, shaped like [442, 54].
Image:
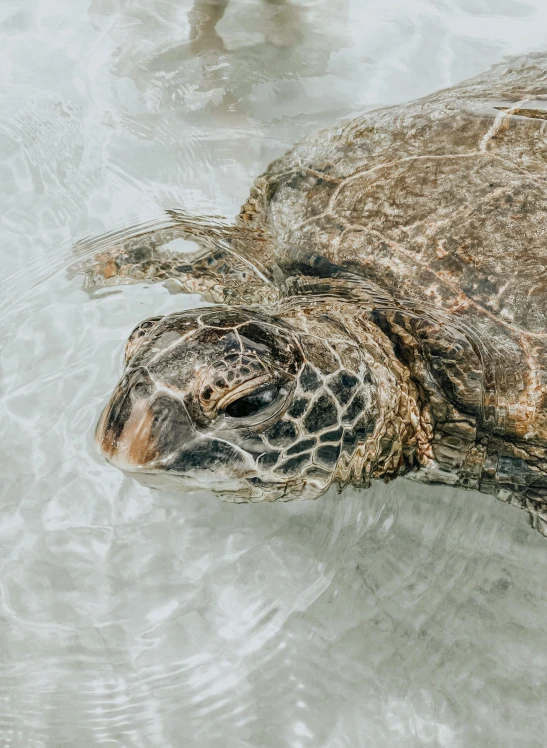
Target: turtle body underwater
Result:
[380, 311]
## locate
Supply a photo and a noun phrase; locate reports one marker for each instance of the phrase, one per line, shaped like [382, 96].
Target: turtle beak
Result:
[147, 432]
[139, 428]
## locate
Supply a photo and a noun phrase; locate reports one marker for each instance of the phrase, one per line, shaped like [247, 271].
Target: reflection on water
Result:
[403, 615]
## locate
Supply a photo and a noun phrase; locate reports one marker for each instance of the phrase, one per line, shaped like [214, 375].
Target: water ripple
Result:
[403, 615]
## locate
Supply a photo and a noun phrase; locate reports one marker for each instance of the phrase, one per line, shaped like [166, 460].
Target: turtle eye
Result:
[253, 403]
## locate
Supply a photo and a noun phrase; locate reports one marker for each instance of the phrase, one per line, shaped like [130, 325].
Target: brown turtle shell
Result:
[441, 203]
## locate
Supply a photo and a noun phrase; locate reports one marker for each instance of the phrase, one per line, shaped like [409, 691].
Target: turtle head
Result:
[237, 402]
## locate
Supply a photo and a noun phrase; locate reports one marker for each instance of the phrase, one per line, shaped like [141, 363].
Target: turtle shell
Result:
[444, 197]
[441, 204]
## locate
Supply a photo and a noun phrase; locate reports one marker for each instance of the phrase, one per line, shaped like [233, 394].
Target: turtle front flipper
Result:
[227, 264]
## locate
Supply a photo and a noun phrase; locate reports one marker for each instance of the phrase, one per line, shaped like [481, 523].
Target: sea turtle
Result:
[381, 311]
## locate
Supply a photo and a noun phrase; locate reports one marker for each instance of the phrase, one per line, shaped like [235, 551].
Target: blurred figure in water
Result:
[283, 28]
[218, 56]
[281, 25]
[207, 93]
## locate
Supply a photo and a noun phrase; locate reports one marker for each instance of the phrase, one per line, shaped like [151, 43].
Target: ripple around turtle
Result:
[404, 615]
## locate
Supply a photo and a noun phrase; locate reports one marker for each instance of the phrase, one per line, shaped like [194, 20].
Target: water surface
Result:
[400, 616]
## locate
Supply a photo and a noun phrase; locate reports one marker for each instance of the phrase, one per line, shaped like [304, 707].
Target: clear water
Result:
[400, 616]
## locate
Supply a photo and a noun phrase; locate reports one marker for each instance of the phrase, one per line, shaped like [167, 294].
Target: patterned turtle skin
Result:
[382, 311]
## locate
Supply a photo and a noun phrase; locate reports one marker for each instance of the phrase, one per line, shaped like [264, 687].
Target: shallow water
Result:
[399, 616]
